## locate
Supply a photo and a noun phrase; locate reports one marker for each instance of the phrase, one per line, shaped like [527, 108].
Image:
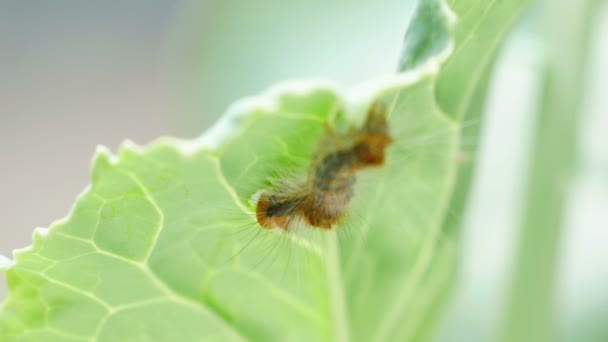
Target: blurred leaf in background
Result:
[532, 303]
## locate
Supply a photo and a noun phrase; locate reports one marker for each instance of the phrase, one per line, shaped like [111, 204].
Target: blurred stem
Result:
[531, 307]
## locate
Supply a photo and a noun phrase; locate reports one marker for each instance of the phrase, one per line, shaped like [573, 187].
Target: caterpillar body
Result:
[322, 199]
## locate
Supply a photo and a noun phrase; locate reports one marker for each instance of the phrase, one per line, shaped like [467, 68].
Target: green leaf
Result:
[163, 245]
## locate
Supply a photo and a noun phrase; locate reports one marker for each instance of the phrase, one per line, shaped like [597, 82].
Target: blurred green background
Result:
[75, 74]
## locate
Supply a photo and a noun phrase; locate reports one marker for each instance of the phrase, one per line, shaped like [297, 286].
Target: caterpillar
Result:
[322, 199]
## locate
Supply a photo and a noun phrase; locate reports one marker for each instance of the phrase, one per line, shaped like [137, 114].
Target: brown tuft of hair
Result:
[370, 149]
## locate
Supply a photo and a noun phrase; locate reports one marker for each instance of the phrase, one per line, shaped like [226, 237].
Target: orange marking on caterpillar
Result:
[322, 200]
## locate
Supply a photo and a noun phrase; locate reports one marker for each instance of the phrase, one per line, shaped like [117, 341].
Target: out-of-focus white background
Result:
[75, 74]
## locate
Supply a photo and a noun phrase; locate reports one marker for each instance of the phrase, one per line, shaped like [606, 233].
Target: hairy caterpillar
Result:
[321, 200]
